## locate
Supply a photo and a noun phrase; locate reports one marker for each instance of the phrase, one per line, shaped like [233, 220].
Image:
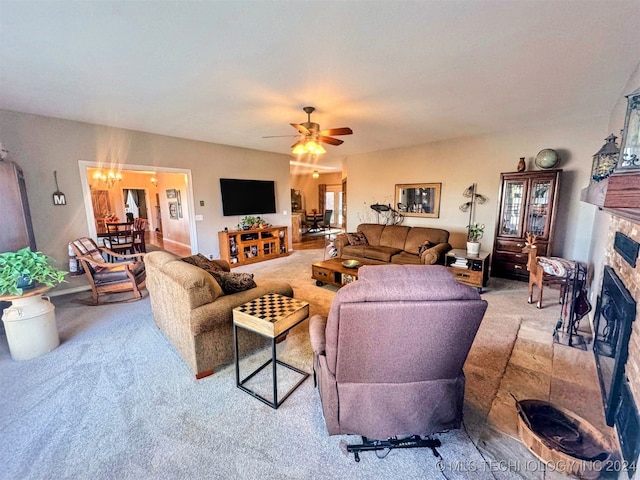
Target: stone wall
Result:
[631, 278]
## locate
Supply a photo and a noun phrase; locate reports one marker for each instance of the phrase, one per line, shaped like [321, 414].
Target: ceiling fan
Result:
[312, 136]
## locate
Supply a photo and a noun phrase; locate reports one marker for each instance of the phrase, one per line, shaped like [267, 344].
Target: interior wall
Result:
[461, 162]
[42, 145]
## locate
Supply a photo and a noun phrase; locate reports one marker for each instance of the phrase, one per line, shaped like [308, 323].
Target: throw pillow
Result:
[357, 238]
[234, 282]
[203, 262]
[425, 246]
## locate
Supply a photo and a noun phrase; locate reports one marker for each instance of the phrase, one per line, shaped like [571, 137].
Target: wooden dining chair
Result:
[325, 223]
[120, 238]
[139, 229]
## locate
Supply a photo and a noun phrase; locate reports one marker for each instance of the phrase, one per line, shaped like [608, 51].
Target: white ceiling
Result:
[399, 73]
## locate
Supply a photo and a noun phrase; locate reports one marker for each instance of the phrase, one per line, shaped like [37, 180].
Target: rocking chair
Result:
[126, 274]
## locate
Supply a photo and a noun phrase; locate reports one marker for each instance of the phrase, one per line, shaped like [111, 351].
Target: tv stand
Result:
[241, 247]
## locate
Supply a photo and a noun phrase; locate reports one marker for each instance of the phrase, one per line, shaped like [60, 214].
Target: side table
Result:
[272, 316]
[469, 269]
[30, 324]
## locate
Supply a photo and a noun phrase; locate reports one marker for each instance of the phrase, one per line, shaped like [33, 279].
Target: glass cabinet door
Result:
[540, 198]
[512, 208]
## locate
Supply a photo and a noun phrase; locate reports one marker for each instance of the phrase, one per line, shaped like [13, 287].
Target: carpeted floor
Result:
[116, 401]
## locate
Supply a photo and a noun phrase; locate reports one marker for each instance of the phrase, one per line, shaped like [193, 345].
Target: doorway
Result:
[134, 195]
[135, 203]
[333, 201]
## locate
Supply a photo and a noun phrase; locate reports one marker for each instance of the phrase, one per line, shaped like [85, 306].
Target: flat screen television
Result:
[247, 197]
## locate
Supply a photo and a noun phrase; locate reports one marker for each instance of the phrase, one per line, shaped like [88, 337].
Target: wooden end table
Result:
[271, 316]
[469, 269]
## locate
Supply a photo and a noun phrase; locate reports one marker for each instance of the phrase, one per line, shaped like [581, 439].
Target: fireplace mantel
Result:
[619, 195]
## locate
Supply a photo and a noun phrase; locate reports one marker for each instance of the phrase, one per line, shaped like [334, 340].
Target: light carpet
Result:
[116, 401]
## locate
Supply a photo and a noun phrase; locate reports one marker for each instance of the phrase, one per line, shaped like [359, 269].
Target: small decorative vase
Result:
[473, 248]
[521, 165]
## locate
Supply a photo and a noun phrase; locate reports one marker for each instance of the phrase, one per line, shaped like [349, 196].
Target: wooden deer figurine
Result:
[536, 273]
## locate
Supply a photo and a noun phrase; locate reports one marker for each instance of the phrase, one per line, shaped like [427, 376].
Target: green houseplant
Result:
[24, 269]
[475, 232]
[252, 222]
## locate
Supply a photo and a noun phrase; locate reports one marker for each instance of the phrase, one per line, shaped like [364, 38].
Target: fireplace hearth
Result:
[615, 313]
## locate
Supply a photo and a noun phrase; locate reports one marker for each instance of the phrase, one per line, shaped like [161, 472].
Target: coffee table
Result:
[272, 316]
[334, 273]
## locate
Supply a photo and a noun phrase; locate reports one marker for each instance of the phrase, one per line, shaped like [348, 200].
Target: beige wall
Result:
[42, 145]
[459, 163]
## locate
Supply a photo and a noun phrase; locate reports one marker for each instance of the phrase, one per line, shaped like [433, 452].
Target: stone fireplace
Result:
[617, 334]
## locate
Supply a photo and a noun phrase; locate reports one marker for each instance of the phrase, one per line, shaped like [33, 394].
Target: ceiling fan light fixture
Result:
[299, 149]
[308, 146]
[315, 148]
[310, 136]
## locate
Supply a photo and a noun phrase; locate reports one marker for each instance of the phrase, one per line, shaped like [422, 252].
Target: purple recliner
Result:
[388, 359]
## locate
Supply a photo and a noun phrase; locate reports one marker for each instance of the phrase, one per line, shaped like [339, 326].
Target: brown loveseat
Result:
[382, 244]
[191, 310]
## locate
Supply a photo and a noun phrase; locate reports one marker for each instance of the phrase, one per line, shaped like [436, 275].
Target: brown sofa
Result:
[191, 310]
[399, 244]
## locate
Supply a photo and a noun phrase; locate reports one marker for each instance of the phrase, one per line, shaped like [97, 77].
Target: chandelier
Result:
[107, 180]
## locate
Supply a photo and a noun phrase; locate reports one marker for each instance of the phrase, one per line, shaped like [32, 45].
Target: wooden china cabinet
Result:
[528, 203]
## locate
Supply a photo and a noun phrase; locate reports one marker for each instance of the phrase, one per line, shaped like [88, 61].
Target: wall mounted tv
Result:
[247, 197]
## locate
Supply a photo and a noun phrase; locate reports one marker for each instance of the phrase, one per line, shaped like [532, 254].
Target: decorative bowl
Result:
[351, 263]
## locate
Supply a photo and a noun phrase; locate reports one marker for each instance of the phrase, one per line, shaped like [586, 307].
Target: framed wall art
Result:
[419, 199]
[172, 193]
[173, 210]
[179, 200]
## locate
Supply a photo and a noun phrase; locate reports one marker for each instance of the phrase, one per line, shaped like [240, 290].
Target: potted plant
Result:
[251, 222]
[24, 269]
[475, 232]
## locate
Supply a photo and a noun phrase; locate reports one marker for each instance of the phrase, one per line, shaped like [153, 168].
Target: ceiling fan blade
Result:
[299, 142]
[331, 141]
[301, 128]
[337, 131]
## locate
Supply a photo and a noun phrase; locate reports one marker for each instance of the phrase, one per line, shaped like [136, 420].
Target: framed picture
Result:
[419, 199]
[179, 203]
[172, 193]
[173, 210]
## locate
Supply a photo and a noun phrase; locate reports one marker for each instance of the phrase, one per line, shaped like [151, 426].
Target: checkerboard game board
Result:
[271, 314]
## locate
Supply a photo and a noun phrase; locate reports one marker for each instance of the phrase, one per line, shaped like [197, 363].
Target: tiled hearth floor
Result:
[539, 369]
